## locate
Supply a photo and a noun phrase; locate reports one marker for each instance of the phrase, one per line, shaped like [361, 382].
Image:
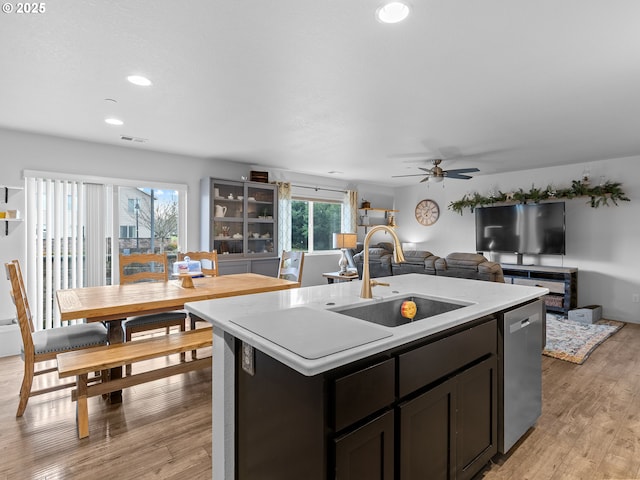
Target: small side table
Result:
[336, 277]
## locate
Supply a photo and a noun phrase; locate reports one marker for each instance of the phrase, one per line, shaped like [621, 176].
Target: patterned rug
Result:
[574, 341]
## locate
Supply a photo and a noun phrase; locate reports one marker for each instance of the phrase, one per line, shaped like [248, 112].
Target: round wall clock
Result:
[427, 212]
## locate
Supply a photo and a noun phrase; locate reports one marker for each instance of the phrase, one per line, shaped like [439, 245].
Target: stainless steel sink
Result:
[387, 312]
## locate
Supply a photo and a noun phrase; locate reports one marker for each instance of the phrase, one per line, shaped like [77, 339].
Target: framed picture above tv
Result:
[532, 228]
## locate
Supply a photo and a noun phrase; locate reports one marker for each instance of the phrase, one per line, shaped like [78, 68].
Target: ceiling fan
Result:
[437, 174]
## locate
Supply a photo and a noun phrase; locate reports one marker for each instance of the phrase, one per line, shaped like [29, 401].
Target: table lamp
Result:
[344, 241]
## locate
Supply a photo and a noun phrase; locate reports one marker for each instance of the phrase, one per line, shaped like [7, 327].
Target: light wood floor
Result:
[590, 424]
[589, 429]
[162, 430]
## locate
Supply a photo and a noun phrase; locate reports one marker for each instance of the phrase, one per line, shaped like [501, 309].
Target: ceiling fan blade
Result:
[462, 170]
[428, 170]
[414, 175]
[457, 176]
[424, 179]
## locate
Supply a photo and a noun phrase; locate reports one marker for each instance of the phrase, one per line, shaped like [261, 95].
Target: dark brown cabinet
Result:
[427, 425]
[367, 452]
[425, 410]
[450, 431]
[476, 417]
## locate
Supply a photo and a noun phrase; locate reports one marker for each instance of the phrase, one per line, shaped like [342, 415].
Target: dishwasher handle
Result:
[517, 325]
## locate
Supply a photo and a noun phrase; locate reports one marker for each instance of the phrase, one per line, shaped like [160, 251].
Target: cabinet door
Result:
[367, 452]
[261, 217]
[477, 414]
[427, 434]
[227, 220]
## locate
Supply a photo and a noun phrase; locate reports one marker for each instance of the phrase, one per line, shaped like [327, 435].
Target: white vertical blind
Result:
[60, 236]
[69, 220]
[55, 210]
[95, 235]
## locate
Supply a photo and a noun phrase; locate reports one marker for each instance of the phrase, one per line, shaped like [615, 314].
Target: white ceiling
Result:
[315, 86]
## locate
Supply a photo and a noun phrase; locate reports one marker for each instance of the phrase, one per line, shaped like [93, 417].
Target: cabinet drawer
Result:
[554, 287]
[424, 365]
[363, 393]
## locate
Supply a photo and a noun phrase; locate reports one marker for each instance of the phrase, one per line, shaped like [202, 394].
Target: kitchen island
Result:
[302, 391]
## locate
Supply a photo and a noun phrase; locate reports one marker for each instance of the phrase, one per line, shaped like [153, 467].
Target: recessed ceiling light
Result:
[114, 121]
[392, 12]
[139, 80]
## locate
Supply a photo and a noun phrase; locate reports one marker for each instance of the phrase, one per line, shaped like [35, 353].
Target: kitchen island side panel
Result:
[280, 422]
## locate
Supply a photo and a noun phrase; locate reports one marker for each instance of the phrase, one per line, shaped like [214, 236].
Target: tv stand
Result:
[562, 283]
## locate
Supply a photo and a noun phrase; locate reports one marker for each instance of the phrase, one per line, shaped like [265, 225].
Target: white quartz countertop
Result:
[302, 319]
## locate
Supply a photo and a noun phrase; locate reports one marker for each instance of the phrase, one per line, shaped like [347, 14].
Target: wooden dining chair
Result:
[43, 345]
[291, 265]
[208, 261]
[148, 267]
[209, 267]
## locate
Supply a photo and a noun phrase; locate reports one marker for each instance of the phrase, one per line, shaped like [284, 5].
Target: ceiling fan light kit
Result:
[437, 174]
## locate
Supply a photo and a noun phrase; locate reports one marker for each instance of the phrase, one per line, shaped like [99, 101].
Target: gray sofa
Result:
[460, 265]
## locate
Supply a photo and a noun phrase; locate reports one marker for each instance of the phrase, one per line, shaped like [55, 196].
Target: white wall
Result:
[24, 151]
[602, 243]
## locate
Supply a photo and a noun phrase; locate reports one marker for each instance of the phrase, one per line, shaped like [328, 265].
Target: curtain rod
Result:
[319, 188]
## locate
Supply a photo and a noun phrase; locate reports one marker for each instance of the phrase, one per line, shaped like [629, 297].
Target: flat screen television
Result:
[536, 228]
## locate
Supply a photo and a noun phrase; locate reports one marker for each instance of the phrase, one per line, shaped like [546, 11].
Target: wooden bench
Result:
[80, 363]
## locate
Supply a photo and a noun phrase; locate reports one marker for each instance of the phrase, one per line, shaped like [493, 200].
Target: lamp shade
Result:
[345, 240]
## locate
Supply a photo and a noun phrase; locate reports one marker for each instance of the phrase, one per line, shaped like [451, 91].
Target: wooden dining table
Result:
[114, 303]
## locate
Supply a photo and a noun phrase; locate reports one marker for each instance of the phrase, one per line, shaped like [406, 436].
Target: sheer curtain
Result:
[67, 246]
[350, 212]
[284, 216]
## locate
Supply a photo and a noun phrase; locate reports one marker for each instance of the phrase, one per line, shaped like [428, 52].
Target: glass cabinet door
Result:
[227, 223]
[261, 219]
[243, 219]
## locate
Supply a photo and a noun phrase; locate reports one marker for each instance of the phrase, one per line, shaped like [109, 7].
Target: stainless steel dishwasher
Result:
[521, 334]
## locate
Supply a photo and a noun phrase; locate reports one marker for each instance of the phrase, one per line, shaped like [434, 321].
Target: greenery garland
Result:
[598, 195]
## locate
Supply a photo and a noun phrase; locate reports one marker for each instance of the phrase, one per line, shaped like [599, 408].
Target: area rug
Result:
[574, 341]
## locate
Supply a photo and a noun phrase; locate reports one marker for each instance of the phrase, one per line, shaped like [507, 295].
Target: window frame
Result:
[310, 225]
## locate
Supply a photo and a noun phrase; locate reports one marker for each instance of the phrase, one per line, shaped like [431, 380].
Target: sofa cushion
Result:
[379, 262]
[491, 271]
[388, 246]
[416, 261]
[465, 260]
[416, 256]
[469, 265]
[375, 253]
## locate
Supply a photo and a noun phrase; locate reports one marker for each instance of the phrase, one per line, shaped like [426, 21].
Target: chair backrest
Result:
[208, 261]
[291, 264]
[19, 297]
[144, 267]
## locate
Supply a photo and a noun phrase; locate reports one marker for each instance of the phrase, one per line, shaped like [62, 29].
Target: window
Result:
[313, 223]
[77, 225]
[148, 220]
[127, 231]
